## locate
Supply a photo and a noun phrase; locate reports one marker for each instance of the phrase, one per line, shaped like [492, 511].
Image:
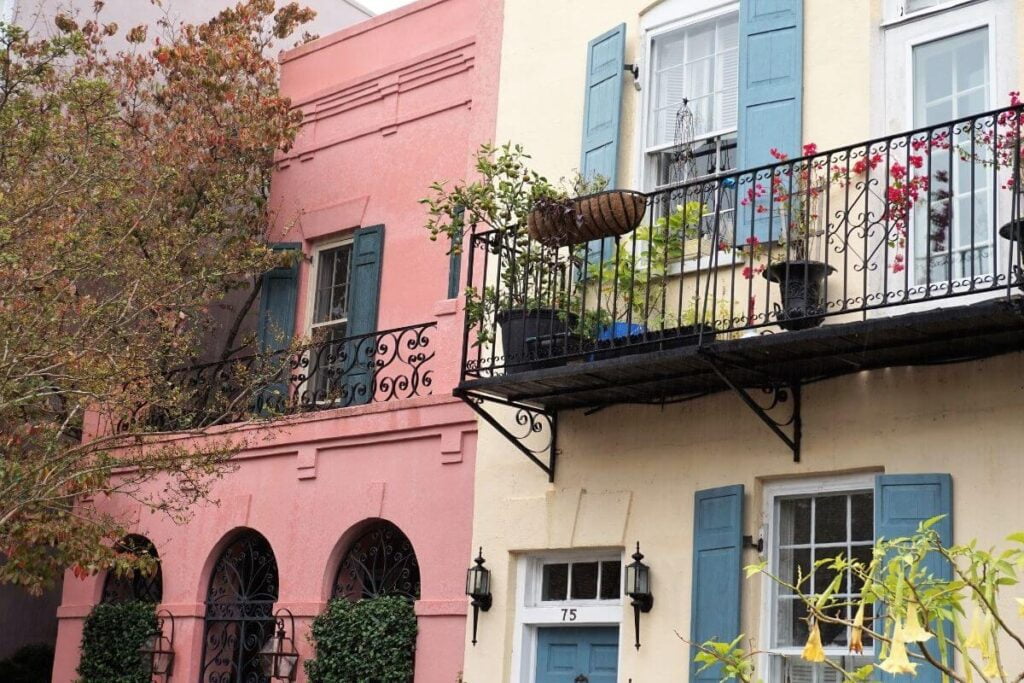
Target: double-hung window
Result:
[808, 523]
[692, 113]
[329, 324]
[953, 233]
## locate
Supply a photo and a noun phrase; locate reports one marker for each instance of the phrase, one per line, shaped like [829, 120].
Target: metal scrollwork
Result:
[239, 611]
[380, 562]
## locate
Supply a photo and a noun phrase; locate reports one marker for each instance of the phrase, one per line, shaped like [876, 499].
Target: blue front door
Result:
[578, 655]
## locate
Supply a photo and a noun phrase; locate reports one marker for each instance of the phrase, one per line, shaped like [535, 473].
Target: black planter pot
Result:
[536, 338]
[653, 340]
[802, 284]
[1014, 231]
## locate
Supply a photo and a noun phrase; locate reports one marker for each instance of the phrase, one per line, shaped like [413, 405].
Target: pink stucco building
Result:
[321, 495]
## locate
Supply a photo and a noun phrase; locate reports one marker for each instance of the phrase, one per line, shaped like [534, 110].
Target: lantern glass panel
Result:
[162, 661]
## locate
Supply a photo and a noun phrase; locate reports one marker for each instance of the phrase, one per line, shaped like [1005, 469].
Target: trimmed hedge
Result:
[369, 640]
[111, 638]
[29, 664]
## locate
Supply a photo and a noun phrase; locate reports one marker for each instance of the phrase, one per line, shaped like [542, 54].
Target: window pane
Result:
[830, 520]
[795, 521]
[863, 517]
[332, 284]
[794, 565]
[792, 623]
[554, 582]
[584, 580]
[861, 554]
[611, 580]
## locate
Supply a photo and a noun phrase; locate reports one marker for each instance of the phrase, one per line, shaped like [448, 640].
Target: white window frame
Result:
[669, 17]
[531, 614]
[896, 11]
[314, 273]
[771, 493]
[894, 113]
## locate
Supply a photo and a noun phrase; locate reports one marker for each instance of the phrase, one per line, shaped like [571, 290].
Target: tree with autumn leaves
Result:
[133, 199]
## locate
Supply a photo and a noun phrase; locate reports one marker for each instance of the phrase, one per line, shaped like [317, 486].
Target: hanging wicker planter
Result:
[591, 217]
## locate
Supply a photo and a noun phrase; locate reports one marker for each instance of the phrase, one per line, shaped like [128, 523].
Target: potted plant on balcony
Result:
[793, 204]
[534, 304]
[585, 212]
[632, 283]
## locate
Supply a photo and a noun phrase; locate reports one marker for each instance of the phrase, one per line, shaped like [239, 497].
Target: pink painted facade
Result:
[390, 104]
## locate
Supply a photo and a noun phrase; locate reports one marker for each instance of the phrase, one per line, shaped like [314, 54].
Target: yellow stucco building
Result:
[658, 445]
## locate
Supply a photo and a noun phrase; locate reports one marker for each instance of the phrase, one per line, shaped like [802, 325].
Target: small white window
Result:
[805, 528]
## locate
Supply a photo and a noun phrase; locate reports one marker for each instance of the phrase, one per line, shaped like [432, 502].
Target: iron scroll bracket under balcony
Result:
[533, 431]
[781, 394]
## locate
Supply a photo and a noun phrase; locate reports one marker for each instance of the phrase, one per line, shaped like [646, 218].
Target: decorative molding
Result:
[602, 519]
[385, 89]
[453, 444]
[327, 220]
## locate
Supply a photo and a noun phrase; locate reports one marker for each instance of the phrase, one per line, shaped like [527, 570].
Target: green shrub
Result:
[369, 640]
[111, 639]
[29, 664]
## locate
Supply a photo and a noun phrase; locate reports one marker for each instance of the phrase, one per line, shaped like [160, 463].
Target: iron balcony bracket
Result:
[779, 393]
[534, 432]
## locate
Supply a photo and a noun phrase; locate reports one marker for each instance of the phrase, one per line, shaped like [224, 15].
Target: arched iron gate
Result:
[239, 611]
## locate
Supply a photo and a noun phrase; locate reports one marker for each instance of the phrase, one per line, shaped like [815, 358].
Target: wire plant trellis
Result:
[682, 165]
[380, 562]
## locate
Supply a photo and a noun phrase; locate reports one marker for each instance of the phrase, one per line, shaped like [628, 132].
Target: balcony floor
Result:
[942, 335]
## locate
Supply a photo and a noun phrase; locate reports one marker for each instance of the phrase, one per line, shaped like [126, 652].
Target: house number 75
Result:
[569, 614]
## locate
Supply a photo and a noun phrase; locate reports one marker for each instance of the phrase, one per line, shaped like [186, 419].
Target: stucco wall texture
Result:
[391, 105]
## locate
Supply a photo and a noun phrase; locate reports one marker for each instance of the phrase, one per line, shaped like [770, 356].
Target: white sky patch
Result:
[381, 6]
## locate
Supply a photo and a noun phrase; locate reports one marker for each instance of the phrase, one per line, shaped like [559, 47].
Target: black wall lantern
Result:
[279, 659]
[157, 651]
[638, 588]
[478, 587]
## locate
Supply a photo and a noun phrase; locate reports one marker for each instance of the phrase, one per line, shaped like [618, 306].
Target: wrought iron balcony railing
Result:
[891, 225]
[372, 368]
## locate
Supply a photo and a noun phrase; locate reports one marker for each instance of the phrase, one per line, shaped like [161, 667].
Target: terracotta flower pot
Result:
[592, 217]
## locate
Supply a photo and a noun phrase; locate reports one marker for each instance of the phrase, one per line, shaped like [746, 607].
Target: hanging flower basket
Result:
[592, 217]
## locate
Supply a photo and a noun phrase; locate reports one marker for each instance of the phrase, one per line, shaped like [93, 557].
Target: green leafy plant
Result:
[368, 640]
[912, 606]
[111, 638]
[632, 278]
[500, 201]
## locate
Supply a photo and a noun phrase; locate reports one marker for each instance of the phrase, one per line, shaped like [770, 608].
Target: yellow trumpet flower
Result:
[898, 662]
[975, 636]
[1020, 606]
[857, 633]
[991, 669]
[913, 632]
[813, 651]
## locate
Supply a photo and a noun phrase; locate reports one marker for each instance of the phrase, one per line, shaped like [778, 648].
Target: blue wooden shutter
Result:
[602, 111]
[770, 93]
[276, 327]
[717, 548]
[902, 502]
[364, 301]
[278, 294]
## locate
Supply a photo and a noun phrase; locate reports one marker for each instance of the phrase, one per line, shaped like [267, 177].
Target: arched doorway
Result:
[381, 561]
[135, 586]
[239, 611]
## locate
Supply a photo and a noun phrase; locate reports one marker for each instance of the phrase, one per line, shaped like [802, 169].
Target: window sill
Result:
[926, 13]
[725, 259]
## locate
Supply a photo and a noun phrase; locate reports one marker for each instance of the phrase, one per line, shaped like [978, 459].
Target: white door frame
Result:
[530, 615]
